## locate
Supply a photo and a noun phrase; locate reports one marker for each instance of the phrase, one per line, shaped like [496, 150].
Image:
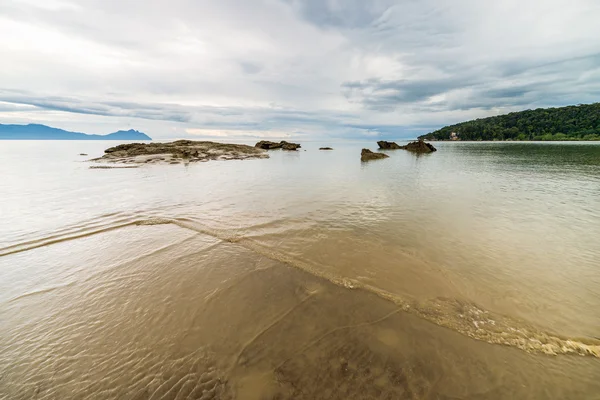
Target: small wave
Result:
[34, 244]
[154, 221]
[461, 316]
[80, 232]
[40, 291]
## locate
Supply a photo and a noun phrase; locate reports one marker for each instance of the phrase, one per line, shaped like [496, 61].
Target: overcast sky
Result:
[277, 68]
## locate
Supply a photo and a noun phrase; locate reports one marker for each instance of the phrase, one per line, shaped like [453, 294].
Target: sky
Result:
[313, 69]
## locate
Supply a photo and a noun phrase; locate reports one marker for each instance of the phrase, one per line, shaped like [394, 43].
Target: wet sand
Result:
[155, 310]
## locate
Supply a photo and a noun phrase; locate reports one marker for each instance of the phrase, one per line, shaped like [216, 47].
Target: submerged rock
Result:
[268, 145]
[367, 155]
[325, 148]
[388, 145]
[419, 147]
[180, 150]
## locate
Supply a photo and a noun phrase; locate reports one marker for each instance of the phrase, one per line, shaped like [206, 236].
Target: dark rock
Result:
[419, 147]
[180, 150]
[388, 145]
[82, 154]
[367, 155]
[267, 145]
[325, 148]
[289, 146]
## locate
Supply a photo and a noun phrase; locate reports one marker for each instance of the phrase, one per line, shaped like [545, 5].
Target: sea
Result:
[469, 273]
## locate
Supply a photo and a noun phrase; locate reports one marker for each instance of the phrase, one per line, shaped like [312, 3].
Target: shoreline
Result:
[460, 316]
[177, 315]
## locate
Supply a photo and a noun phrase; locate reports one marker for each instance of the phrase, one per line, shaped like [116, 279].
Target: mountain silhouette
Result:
[43, 132]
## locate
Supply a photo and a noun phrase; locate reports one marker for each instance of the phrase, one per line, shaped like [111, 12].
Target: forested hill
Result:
[580, 122]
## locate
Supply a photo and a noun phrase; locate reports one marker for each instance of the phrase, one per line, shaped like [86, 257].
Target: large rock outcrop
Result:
[388, 145]
[267, 145]
[180, 151]
[368, 155]
[419, 147]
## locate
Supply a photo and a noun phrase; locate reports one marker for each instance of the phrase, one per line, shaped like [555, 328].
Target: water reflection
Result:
[247, 291]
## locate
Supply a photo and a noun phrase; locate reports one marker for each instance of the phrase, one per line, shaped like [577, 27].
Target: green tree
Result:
[581, 122]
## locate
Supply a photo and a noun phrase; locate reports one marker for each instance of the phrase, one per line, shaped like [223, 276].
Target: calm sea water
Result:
[472, 272]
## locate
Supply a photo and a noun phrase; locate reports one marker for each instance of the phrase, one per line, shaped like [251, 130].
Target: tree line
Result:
[580, 122]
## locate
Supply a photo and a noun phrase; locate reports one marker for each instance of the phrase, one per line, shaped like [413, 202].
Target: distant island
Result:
[43, 132]
[581, 122]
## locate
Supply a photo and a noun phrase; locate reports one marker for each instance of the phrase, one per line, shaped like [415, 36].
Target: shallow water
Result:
[308, 275]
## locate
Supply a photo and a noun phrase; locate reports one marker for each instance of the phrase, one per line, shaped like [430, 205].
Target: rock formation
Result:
[180, 151]
[267, 145]
[419, 147]
[290, 146]
[368, 155]
[325, 148]
[388, 145]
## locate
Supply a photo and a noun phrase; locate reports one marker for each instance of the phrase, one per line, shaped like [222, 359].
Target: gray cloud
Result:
[545, 84]
[250, 68]
[206, 117]
[340, 14]
[302, 67]
[114, 109]
[384, 95]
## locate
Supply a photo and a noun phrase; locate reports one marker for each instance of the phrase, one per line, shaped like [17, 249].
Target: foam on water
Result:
[461, 316]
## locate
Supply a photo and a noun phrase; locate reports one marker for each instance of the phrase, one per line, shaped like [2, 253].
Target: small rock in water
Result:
[388, 145]
[367, 155]
[419, 147]
[325, 148]
[82, 154]
[290, 146]
[267, 145]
